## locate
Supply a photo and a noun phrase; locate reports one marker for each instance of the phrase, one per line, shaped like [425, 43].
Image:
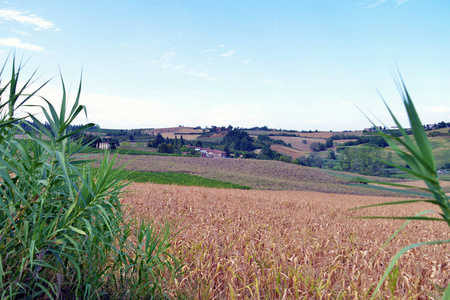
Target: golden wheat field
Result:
[290, 244]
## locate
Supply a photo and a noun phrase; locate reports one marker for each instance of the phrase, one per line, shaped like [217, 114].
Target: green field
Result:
[179, 179]
[128, 151]
[441, 151]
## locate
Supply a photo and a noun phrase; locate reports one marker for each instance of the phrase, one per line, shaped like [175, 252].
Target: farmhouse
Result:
[104, 146]
[210, 153]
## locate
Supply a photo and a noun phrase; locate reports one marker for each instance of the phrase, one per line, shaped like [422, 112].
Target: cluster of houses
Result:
[210, 153]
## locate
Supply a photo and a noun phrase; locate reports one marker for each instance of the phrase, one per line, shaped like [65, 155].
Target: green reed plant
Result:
[63, 231]
[417, 153]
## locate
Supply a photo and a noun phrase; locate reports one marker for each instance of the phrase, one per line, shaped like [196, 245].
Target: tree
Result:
[238, 140]
[159, 139]
[267, 153]
[366, 161]
[249, 155]
[165, 148]
[315, 160]
[317, 146]
[227, 151]
[331, 154]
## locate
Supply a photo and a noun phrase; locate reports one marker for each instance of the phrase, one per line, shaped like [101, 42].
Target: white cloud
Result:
[375, 4]
[201, 74]
[22, 32]
[15, 42]
[27, 19]
[168, 55]
[275, 82]
[167, 61]
[222, 46]
[438, 109]
[228, 54]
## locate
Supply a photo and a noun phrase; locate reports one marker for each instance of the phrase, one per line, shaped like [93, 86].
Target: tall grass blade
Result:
[418, 155]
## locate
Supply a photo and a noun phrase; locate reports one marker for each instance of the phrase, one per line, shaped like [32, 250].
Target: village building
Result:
[104, 146]
[209, 153]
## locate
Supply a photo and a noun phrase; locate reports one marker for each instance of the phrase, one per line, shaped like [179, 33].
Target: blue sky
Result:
[300, 64]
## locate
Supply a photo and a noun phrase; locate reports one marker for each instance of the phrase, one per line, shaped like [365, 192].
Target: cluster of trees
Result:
[318, 146]
[438, 133]
[366, 161]
[166, 145]
[263, 139]
[238, 140]
[335, 137]
[372, 141]
[446, 166]
[215, 129]
[440, 125]
[315, 160]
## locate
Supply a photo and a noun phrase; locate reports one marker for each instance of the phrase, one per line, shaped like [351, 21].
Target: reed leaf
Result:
[418, 155]
[63, 233]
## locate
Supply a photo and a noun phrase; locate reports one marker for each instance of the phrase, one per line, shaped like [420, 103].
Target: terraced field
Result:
[292, 152]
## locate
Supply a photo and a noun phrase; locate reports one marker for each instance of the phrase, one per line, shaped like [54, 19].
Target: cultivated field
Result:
[187, 137]
[291, 245]
[258, 174]
[189, 133]
[297, 142]
[294, 153]
[344, 141]
[317, 135]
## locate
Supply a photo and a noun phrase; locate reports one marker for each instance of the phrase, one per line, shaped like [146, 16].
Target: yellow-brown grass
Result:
[188, 137]
[344, 141]
[297, 142]
[316, 135]
[290, 244]
[189, 133]
[294, 153]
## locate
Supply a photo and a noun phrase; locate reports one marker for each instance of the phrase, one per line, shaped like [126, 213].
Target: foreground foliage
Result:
[63, 232]
[417, 153]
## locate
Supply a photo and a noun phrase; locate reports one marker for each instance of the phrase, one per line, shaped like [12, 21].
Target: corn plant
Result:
[63, 232]
[417, 153]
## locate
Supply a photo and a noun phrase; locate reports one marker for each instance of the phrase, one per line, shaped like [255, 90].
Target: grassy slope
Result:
[257, 174]
[441, 150]
[179, 179]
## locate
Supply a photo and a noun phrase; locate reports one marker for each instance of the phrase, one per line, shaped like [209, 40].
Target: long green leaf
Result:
[396, 258]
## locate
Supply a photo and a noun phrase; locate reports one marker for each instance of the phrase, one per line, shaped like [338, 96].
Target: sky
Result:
[302, 65]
